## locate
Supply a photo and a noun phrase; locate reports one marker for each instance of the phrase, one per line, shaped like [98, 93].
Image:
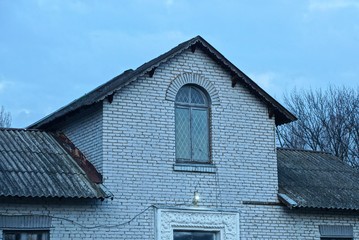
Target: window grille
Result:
[332, 232]
[192, 125]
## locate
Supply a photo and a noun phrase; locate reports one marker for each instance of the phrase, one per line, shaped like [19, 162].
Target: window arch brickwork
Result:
[196, 79]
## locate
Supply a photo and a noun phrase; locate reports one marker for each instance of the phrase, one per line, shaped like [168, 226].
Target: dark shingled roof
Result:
[309, 179]
[33, 164]
[282, 115]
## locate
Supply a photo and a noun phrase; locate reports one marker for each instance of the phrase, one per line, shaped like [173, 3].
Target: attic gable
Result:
[107, 90]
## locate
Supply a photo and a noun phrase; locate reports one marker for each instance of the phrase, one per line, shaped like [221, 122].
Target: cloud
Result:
[76, 6]
[118, 41]
[48, 5]
[271, 82]
[330, 5]
[169, 3]
[4, 83]
[2, 86]
[265, 80]
[278, 83]
[24, 111]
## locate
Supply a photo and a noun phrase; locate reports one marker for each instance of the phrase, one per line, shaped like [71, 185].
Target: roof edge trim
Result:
[284, 198]
[282, 115]
[79, 158]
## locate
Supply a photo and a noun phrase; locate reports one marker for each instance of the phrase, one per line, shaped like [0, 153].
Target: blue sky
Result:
[54, 51]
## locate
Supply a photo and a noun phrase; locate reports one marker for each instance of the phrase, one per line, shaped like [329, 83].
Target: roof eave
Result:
[282, 115]
[99, 197]
[291, 203]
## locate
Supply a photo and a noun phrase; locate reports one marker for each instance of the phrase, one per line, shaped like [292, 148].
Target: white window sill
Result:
[193, 167]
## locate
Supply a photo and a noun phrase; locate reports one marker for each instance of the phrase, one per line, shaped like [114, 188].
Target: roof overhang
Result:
[282, 115]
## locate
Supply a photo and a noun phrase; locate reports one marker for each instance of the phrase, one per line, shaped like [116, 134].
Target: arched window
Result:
[192, 125]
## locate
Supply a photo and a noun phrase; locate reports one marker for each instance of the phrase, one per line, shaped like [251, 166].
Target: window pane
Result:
[183, 95]
[193, 235]
[330, 238]
[45, 236]
[26, 235]
[200, 135]
[32, 236]
[197, 97]
[10, 236]
[183, 141]
[182, 236]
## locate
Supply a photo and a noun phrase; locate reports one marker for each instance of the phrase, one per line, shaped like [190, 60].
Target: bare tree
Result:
[5, 118]
[328, 120]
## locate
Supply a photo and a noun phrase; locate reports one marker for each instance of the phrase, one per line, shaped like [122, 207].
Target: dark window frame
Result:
[336, 238]
[8, 232]
[336, 232]
[215, 234]
[193, 107]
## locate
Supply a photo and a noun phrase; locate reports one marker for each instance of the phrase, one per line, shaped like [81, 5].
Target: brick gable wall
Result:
[85, 131]
[132, 142]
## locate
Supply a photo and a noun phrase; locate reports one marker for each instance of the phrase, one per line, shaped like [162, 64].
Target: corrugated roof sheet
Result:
[33, 164]
[312, 179]
[282, 115]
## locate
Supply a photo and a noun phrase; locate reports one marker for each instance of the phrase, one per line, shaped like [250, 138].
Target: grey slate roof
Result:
[282, 115]
[309, 179]
[33, 164]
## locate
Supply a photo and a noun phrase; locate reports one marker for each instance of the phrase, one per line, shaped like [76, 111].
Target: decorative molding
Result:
[225, 223]
[192, 78]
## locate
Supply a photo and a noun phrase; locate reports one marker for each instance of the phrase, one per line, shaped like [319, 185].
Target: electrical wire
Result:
[82, 225]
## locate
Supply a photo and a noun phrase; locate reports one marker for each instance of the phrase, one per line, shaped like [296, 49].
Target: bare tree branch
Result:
[5, 118]
[328, 120]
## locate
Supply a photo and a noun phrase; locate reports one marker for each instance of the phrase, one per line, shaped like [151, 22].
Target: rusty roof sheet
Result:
[309, 179]
[282, 115]
[33, 164]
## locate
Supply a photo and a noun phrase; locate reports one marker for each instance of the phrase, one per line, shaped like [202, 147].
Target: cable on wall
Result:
[84, 226]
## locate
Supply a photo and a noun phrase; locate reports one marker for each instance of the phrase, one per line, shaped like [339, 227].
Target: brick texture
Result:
[85, 131]
[132, 142]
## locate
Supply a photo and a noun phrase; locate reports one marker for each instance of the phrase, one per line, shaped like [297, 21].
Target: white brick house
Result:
[153, 149]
